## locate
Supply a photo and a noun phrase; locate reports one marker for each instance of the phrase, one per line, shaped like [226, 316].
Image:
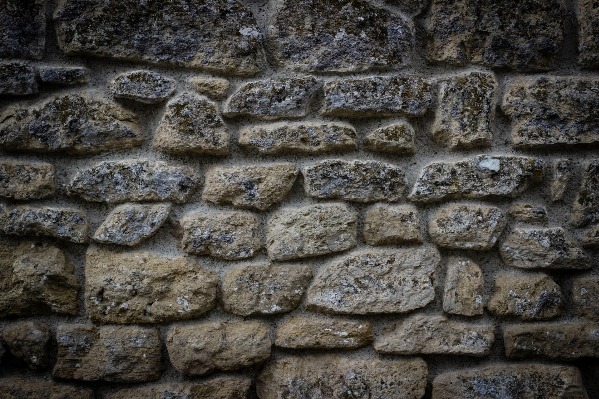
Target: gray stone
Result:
[26, 180]
[29, 342]
[528, 213]
[17, 78]
[24, 29]
[393, 139]
[143, 86]
[214, 388]
[563, 170]
[29, 388]
[321, 333]
[392, 224]
[591, 239]
[585, 209]
[64, 76]
[464, 287]
[587, 14]
[585, 297]
[212, 87]
[410, 6]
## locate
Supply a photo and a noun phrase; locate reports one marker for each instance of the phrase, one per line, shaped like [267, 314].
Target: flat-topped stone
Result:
[26, 180]
[143, 86]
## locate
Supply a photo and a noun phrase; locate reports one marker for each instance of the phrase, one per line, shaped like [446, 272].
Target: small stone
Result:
[591, 240]
[109, 353]
[392, 224]
[143, 86]
[199, 349]
[295, 233]
[464, 287]
[393, 139]
[214, 388]
[29, 342]
[20, 388]
[321, 333]
[587, 14]
[252, 186]
[64, 76]
[141, 287]
[360, 181]
[23, 29]
[17, 78]
[212, 87]
[373, 282]
[585, 209]
[264, 289]
[26, 180]
[563, 170]
[585, 296]
[528, 213]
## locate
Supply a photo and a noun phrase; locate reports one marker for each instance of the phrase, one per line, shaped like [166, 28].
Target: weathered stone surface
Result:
[464, 287]
[130, 224]
[542, 249]
[436, 335]
[312, 230]
[320, 333]
[585, 209]
[143, 86]
[377, 96]
[585, 297]
[134, 180]
[252, 186]
[498, 35]
[302, 137]
[80, 123]
[212, 35]
[338, 36]
[24, 29]
[563, 170]
[331, 376]
[591, 239]
[212, 87]
[467, 226]
[227, 235]
[29, 342]
[528, 213]
[26, 180]
[392, 224]
[360, 181]
[371, 282]
[65, 76]
[141, 287]
[394, 139]
[20, 388]
[215, 388]
[264, 289]
[587, 13]
[483, 176]
[409, 7]
[17, 78]
[110, 353]
[200, 349]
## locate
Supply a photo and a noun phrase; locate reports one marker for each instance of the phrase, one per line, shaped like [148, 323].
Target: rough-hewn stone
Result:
[212, 87]
[17, 78]
[26, 180]
[321, 333]
[393, 139]
[563, 170]
[29, 342]
[392, 224]
[410, 7]
[591, 239]
[24, 29]
[214, 388]
[143, 86]
[63, 76]
[587, 13]
[29, 388]
[528, 213]
[464, 287]
[585, 209]
[585, 297]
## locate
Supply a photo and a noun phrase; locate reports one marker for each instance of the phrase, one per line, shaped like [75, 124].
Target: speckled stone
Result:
[214, 388]
[587, 15]
[563, 171]
[464, 287]
[23, 29]
[26, 180]
[310, 332]
[591, 239]
[393, 139]
[528, 213]
[17, 78]
[212, 87]
[29, 342]
[63, 76]
[585, 297]
[392, 224]
[585, 209]
[143, 86]
[22, 388]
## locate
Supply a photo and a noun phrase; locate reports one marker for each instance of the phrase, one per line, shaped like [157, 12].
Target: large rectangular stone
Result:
[26, 180]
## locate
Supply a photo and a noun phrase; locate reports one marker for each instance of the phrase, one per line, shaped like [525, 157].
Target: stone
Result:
[484, 176]
[493, 34]
[410, 7]
[214, 388]
[585, 209]
[591, 239]
[26, 180]
[528, 213]
[273, 99]
[108, 353]
[360, 181]
[466, 110]
[467, 226]
[437, 335]
[338, 36]
[464, 287]
[299, 138]
[142, 287]
[313, 230]
[64, 76]
[264, 289]
[226, 235]
[392, 224]
[377, 96]
[374, 282]
[335, 377]
[134, 180]
[200, 349]
[321, 333]
[212, 87]
[146, 87]
[77, 123]
[24, 29]
[587, 15]
[542, 249]
[29, 342]
[563, 170]
[585, 297]
[212, 35]
[252, 186]
[29, 388]
[393, 139]
[130, 224]
[17, 78]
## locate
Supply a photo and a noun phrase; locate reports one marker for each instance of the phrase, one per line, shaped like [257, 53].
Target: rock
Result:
[29, 342]
[585, 209]
[542, 249]
[295, 233]
[420, 334]
[467, 226]
[464, 287]
[484, 176]
[591, 240]
[273, 99]
[130, 224]
[81, 123]
[24, 29]
[320, 333]
[141, 287]
[212, 87]
[109, 353]
[212, 35]
[331, 376]
[20, 388]
[392, 224]
[372, 282]
[17, 78]
[563, 170]
[64, 76]
[393, 139]
[528, 213]
[215, 388]
[409, 7]
[338, 36]
[143, 86]
[360, 181]
[587, 14]
[251, 186]
[26, 180]
[226, 235]
[134, 180]
[302, 137]
[264, 289]
[585, 297]
[377, 96]
[200, 349]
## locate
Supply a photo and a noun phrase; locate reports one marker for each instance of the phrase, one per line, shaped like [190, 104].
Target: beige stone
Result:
[215, 88]
[392, 224]
[563, 171]
[464, 287]
[393, 139]
[585, 209]
[587, 15]
[585, 297]
[323, 333]
[33, 388]
[26, 180]
[214, 388]
[528, 213]
[591, 239]
[29, 342]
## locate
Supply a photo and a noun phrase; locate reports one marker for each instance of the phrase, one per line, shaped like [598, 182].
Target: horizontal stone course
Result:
[17, 79]
[26, 180]
[321, 333]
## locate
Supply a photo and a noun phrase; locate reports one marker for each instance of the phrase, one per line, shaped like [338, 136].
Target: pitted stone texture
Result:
[80, 123]
[524, 36]
[484, 176]
[313, 230]
[26, 180]
[20, 388]
[585, 297]
[410, 7]
[360, 181]
[264, 289]
[212, 87]
[109, 353]
[143, 86]
[134, 180]
[212, 35]
[141, 287]
[321, 333]
[302, 137]
[528, 213]
[585, 209]
[199, 349]
[373, 282]
[338, 36]
[334, 377]
[587, 13]
[392, 224]
[252, 186]
[393, 139]
[24, 29]
[63, 76]
[563, 170]
[377, 96]
[464, 288]
[17, 78]
[215, 388]
[542, 249]
[29, 342]
[591, 239]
